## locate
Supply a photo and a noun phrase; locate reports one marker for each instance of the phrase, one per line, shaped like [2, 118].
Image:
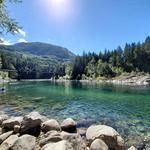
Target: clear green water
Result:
[126, 108]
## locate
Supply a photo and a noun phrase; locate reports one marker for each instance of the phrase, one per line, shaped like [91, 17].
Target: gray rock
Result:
[3, 117]
[82, 131]
[109, 135]
[25, 142]
[4, 136]
[16, 128]
[10, 123]
[52, 136]
[62, 145]
[98, 144]
[9, 142]
[50, 125]
[75, 140]
[69, 125]
[31, 124]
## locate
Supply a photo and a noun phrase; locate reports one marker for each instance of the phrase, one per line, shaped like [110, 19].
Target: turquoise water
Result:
[126, 108]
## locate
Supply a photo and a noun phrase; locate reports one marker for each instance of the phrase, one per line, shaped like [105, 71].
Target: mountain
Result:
[40, 49]
[35, 60]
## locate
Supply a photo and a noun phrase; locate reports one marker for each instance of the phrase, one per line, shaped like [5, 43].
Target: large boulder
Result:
[69, 125]
[31, 124]
[10, 123]
[50, 125]
[4, 136]
[109, 135]
[25, 142]
[9, 142]
[62, 145]
[98, 144]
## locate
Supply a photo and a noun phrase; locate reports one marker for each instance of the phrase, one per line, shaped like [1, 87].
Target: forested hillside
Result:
[134, 57]
[34, 60]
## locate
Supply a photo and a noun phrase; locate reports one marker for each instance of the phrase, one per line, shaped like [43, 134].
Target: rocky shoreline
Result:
[37, 132]
[133, 79]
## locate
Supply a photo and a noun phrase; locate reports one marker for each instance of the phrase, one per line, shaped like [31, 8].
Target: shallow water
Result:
[126, 108]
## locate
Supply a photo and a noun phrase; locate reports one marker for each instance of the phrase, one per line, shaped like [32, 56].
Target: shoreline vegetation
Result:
[126, 79]
[37, 132]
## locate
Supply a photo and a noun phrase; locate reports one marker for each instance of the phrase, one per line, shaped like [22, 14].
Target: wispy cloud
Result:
[22, 40]
[5, 42]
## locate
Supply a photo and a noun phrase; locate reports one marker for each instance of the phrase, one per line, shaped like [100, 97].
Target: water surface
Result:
[126, 108]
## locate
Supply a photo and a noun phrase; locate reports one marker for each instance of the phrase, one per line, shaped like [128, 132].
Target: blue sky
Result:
[82, 25]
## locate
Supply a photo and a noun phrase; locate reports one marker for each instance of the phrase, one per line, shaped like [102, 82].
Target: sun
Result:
[58, 1]
[60, 9]
[60, 4]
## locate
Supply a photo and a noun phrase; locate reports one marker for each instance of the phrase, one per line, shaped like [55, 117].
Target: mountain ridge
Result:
[40, 49]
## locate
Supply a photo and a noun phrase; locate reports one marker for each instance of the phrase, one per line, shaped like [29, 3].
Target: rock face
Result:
[4, 136]
[25, 142]
[50, 125]
[10, 123]
[98, 144]
[9, 142]
[69, 125]
[31, 124]
[62, 145]
[110, 136]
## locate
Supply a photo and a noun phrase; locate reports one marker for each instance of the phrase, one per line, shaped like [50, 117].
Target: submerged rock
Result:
[98, 144]
[50, 125]
[69, 125]
[85, 123]
[25, 142]
[109, 135]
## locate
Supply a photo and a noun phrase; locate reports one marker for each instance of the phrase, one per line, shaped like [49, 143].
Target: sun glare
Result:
[60, 9]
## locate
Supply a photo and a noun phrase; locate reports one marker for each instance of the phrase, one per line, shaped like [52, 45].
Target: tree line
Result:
[133, 57]
[25, 66]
